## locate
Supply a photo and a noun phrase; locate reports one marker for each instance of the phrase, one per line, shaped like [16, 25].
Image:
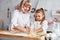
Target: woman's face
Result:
[39, 16]
[25, 9]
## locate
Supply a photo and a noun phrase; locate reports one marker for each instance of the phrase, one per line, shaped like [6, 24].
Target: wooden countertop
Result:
[8, 34]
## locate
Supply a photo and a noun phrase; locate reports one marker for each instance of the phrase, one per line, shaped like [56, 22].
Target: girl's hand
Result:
[39, 30]
[32, 31]
[27, 29]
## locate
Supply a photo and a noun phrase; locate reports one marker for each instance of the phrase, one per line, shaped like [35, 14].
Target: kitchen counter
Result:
[9, 34]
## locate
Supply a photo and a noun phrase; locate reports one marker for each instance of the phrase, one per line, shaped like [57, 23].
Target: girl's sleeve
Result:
[28, 21]
[45, 26]
[14, 20]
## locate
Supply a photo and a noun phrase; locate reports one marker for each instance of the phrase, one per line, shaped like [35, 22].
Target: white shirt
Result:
[37, 25]
[20, 19]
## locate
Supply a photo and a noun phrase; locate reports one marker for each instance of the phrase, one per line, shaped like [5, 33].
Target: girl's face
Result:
[39, 16]
[25, 9]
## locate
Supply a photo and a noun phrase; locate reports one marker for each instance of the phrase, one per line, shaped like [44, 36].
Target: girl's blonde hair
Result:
[41, 10]
[22, 3]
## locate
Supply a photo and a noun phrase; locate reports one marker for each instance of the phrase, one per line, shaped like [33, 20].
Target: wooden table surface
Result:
[4, 33]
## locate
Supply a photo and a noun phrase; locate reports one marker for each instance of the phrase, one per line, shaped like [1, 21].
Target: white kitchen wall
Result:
[4, 4]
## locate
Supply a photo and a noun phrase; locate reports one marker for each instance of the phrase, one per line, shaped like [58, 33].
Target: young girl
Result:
[40, 24]
[21, 17]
